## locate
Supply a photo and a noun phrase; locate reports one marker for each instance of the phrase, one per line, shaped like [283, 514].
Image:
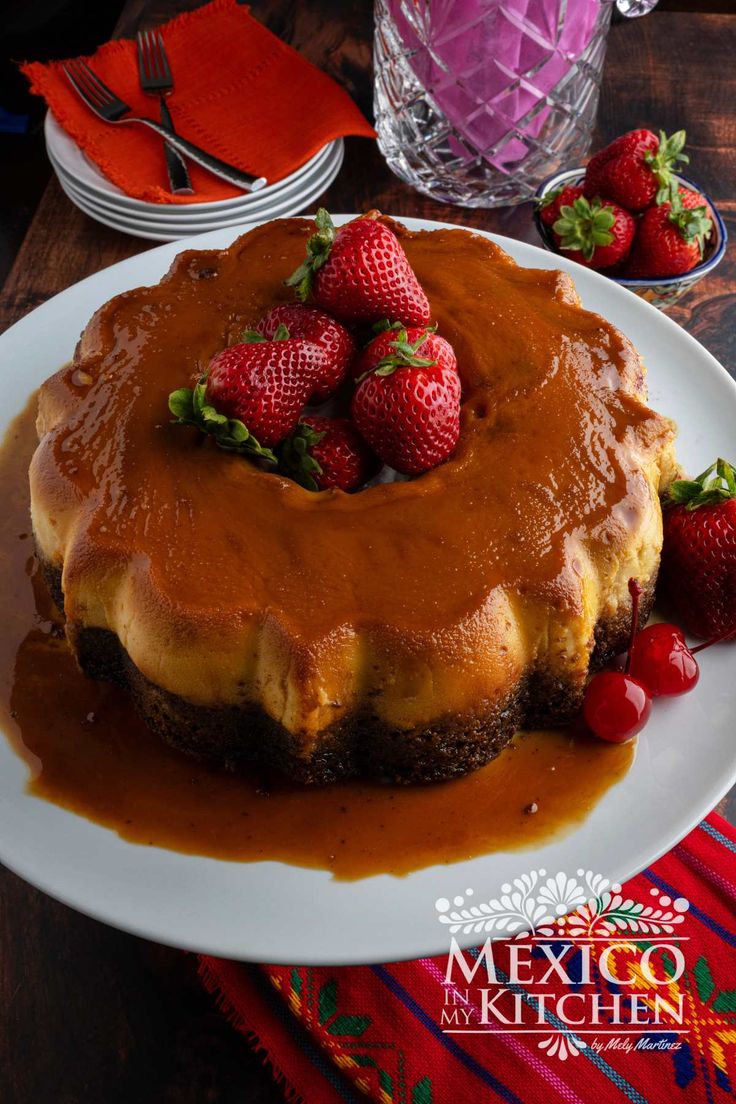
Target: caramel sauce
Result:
[88, 752]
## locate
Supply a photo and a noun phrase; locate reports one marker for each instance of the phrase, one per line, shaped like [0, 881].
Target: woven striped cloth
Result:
[376, 1032]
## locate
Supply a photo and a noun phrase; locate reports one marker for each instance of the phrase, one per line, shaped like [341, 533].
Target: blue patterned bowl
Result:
[662, 292]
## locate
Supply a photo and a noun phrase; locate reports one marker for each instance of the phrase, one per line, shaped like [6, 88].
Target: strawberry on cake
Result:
[349, 501]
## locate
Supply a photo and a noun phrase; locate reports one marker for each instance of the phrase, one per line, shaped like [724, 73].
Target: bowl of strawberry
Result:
[632, 216]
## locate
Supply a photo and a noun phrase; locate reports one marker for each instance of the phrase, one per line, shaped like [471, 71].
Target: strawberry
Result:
[360, 274]
[698, 572]
[252, 394]
[669, 240]
[636, 169]
[327, 452]
[408, 409]
[595, 233]
[692, 200]
[550, 204]
[393, 338]
[318, 327]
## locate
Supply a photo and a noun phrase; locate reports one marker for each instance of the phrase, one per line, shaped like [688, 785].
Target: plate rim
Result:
[286, 208]
[197, 221]
[180, 216]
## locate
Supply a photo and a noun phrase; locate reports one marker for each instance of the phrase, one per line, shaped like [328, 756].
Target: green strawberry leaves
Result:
[384, 325]
[693, 223]
[295, 459]
[318, 250]
[253, 337]
[716, 484]
[404, 351]
[190, 407]
[584, 225]
[662, 162]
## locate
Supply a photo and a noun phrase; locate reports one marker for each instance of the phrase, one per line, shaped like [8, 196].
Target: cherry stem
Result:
[714, 640]
[635, 592]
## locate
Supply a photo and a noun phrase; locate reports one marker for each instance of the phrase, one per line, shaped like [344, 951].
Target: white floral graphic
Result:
[587, 905]
[562, 1046]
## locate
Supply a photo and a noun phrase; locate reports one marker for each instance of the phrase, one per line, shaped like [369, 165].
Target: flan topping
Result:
[200, 553]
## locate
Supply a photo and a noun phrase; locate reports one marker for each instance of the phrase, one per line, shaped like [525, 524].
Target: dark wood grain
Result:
[90, 1014]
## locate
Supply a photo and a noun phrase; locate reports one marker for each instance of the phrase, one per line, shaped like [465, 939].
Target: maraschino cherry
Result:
[617, 705]
[659, 663]
[661, 659]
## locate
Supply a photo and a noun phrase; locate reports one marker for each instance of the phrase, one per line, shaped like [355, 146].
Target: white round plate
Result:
[165, 232]
[191, 219]
[68, 154]
[274, 912]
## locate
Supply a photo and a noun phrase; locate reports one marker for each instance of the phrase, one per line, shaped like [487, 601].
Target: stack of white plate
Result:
[89, 190]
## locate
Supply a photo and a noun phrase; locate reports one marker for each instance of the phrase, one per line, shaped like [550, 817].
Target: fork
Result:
[108, 106]
[154, 74]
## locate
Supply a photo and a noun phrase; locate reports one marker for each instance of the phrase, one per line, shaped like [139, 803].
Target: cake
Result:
[403, 632]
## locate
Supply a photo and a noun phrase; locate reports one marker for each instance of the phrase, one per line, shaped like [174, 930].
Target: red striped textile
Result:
[347, 1033]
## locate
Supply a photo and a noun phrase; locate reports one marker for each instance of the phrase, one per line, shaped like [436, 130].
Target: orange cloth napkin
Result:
[239, 92]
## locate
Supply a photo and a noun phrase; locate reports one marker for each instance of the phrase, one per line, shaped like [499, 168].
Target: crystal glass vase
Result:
[476, 101]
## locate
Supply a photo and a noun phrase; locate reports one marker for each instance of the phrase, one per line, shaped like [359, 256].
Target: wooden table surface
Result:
[90, 1014]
